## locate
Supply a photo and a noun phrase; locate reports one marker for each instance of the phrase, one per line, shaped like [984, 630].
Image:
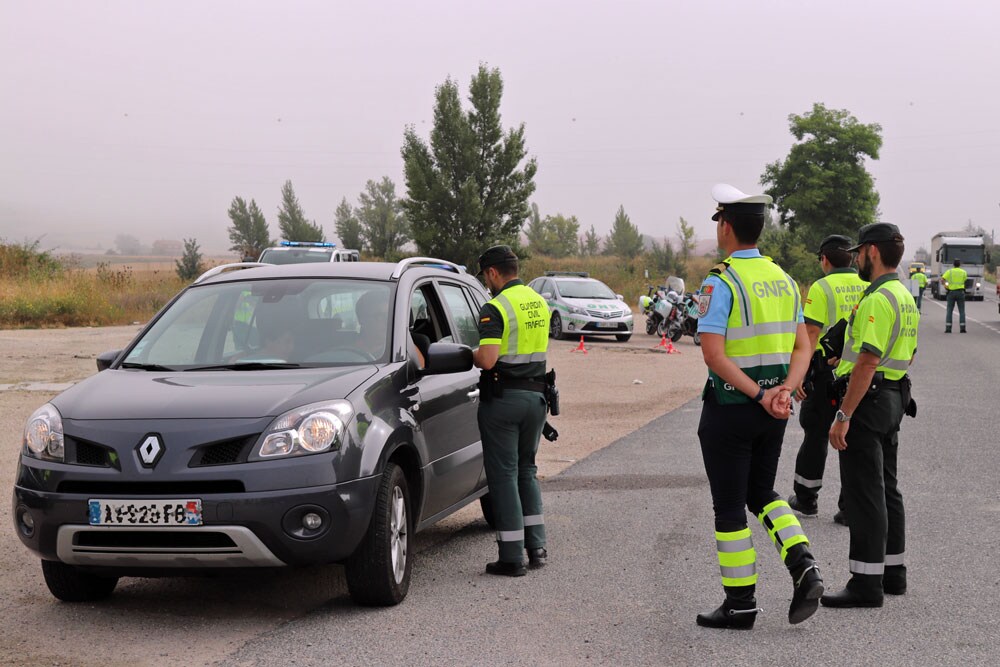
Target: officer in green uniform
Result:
[880, 344]
[920, 278]
[831, 298]
[513, 338]
[756, 348]
[954, 280]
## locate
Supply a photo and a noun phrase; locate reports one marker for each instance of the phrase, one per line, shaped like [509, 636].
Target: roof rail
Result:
[225, 268]
[429, 262]
[576, 274]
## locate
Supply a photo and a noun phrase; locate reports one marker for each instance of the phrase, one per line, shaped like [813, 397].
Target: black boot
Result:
[806, 594]
[863, 590]
[894, 580]
[537, 557]
[737, 612]
[805, 507]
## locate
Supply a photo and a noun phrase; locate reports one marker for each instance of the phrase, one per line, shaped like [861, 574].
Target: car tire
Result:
[71, 584]
[555, 326]
[486, 505]
[378, 572]
[623, 338]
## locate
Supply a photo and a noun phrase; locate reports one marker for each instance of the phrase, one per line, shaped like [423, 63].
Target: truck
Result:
[970, 248]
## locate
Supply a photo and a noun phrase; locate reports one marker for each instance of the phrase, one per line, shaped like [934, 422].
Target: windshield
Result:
[584, 289]
[967, 253]
[269, 324]
[295, 255]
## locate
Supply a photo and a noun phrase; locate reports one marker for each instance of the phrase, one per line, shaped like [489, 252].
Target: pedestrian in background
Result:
[880, 344]
[756, 348]
[513, 338]
[831, 298]
[954, 281]
[919, 284]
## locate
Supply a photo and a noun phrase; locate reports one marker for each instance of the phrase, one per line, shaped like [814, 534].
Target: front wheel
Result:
[697, 338]
[650, 326]
[378, 572]
[70, 584]
[555, 326]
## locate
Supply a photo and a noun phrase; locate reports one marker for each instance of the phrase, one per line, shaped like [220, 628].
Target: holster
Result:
[552, 396]
[906, 393]
[490, 386]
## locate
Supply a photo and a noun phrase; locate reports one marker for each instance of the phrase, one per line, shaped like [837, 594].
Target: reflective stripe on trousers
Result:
[782, 526]
[860, 567]
[534, 520]
[808, 483]
[510, 535]
[737, 558]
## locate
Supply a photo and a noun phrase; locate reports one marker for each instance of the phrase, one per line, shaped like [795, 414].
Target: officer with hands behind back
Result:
[513, 338]
[756, 348]
[880, 344]
[831, 298]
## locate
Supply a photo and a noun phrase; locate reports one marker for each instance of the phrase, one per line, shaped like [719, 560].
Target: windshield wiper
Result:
[246, 366]
[146, 367]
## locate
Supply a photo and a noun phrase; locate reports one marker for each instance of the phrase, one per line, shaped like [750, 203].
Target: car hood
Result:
[598, 304]
[126, 394]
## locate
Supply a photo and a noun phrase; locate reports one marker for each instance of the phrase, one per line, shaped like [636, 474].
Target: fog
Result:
[147, 118]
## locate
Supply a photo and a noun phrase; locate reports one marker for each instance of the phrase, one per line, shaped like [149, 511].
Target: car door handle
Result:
[473, 394]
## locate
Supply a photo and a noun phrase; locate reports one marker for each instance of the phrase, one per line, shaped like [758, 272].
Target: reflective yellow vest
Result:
[832, 298]
[887, 314]
[525, 326]
[760, 333]
[955, 277]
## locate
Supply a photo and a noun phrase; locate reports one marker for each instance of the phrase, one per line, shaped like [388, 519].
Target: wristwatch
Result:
[842, 417]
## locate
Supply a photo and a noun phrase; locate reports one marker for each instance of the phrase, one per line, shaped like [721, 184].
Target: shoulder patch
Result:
[703, 302]
[707, 290]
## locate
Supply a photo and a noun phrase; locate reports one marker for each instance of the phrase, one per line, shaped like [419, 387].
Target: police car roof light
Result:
[574, 274]
[308, 244]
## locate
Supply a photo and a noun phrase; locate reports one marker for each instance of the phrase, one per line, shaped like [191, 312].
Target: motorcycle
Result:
[670, 311]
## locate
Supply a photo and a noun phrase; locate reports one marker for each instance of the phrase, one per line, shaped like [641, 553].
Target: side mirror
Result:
[447, 358]
[546, 295]
[620, 297]
[105, 359]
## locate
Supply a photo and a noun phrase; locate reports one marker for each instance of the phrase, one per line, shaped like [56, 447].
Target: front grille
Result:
[150, 539]
[605, 314]
[103, 489]
[89, 454]
[222, 453]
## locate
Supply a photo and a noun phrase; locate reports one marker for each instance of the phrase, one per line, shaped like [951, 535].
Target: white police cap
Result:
[735, 200]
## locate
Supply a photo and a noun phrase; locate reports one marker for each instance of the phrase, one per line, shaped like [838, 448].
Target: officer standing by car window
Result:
[954, 280]
[756, 348]
[831, 298]
[880, 344]
[513, 338]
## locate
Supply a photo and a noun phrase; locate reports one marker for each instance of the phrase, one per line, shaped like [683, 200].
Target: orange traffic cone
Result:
[662, 343]
[580, 347]
[671, 349]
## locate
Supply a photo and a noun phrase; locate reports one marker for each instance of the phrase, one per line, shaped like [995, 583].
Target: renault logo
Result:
[150, 450]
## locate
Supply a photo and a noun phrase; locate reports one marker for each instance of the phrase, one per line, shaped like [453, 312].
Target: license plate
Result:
[607, 325]
[145, 512]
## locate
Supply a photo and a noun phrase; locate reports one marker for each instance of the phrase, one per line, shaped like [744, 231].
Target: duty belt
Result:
[520, 383]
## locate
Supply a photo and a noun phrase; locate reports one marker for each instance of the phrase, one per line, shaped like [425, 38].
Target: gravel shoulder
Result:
[610, 391]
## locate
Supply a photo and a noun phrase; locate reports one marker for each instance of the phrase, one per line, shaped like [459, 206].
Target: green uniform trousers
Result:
[816, 415]
[510, 428]
[870, 492]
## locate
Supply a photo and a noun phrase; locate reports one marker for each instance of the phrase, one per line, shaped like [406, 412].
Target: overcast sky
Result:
[148, 117]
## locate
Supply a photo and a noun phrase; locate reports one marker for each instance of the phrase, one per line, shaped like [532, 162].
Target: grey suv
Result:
[267, 416]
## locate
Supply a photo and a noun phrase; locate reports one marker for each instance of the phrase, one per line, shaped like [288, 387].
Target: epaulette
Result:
[720, 267]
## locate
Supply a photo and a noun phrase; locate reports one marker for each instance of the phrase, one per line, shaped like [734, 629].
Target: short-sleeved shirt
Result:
[720, 299]
[872, 325]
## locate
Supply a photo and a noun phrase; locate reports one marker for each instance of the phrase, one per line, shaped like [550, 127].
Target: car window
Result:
[309, 322]
[585, 289]
[461, 314]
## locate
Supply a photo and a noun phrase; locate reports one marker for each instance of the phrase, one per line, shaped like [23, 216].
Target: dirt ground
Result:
[606, 393]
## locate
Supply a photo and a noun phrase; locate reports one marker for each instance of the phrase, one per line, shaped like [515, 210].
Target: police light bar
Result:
[308, 244]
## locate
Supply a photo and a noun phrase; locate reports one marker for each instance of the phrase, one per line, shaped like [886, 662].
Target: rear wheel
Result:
[70, 584]
[378, 572]
[650, 326]
[623, 338]
[697, 338]
[555, 326]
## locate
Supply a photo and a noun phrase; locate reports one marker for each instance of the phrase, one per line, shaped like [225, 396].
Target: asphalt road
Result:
[632, 555]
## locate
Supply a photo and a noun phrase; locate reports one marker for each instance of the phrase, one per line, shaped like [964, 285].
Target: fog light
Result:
[27, 523]
[312, 521]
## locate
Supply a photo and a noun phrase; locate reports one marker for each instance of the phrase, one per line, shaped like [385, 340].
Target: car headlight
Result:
[576, 310]
[43, 435]
[979, 284]
[311, 429]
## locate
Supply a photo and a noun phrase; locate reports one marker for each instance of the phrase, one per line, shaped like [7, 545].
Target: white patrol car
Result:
[301, 252]
[581, 305]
